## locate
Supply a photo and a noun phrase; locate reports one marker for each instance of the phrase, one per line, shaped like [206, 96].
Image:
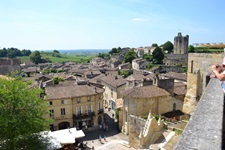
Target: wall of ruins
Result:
[181, 44]
[176, 59]
[198, 68]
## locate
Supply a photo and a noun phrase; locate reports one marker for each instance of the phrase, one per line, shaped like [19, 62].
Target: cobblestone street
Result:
[113, 138]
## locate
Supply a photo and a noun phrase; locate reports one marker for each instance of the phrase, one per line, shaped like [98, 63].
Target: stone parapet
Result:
[205, 128]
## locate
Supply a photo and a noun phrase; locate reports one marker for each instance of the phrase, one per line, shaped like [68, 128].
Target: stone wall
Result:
[167, 84]
[164, 69]
[7, 66]
[176, 59]
[198, 68]
[136, 125]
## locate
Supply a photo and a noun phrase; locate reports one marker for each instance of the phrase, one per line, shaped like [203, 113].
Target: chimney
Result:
[95, 90]
[116, 77]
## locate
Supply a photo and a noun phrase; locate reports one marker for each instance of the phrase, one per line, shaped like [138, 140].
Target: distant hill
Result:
[81, 52]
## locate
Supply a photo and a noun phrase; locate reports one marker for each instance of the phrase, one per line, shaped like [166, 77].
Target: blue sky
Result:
[103, 24]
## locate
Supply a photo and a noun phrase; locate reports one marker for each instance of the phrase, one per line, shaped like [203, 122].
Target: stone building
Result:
[180, 52]
[9, 65]
[198, 69]
[139, 79]
[140, 100]
[79, 106]
[139, 64]
[114, 85]
[181, 44]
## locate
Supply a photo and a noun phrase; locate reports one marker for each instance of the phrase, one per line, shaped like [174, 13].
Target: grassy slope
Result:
[63, 57]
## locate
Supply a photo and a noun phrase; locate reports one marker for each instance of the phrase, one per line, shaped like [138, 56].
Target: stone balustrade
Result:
[204, 130]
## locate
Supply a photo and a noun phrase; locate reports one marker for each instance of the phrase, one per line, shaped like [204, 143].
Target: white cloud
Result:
[138, 19]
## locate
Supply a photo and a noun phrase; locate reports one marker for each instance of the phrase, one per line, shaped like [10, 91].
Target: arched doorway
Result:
[64, 125]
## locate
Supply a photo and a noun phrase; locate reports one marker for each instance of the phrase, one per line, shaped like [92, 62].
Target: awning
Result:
[65, 136]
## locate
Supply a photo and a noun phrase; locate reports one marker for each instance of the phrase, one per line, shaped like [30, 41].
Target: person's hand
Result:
[213, 76]
[213, 67]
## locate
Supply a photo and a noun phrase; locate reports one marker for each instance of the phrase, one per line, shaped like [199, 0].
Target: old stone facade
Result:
[139, 64]
[139, 101]
[181, 44]
[78, 106]
[9, 65]
[198, 68]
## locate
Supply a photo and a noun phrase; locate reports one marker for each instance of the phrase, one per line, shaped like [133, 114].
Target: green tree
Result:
[148, 57]
[11, 54]
[55, 51]
[56, 80]
[154, 45]
[119, 49]
[22, 115]
[168, 46]
[158, 55]
[191, 49]
[114, 50]
[3, 52]
[35, 57]
[26, 52]
[129, 56]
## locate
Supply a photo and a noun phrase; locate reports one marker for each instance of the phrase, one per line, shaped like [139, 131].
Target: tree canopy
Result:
[56, 80]
[22, 115]
[168, 46]
[115, 50]
[13, 52]
[154, 45]
[129, 56]
[148, 57]
[158, 55]
[35, 57]
[55, 51]
[191, 49]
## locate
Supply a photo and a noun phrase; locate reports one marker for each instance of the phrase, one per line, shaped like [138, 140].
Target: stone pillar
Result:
[190, 100]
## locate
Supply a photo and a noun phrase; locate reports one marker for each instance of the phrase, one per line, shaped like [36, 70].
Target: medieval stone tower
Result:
[181, 44]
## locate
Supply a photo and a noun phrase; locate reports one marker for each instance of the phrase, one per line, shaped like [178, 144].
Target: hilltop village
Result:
[146, 103]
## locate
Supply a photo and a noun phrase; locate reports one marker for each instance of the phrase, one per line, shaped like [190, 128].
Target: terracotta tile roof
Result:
[115, 81]
[175, 75]
[38, 76]
[146, 92]
[178, 90]
[29, 63]
[140, 76]
[59, 92]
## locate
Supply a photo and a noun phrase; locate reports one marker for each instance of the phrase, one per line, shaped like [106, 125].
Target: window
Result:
[88, 98]
[50, 103]
[63, 101]
[78, 100]
[89, 108]
[99, 106]
[79, 110]
[51, 113]
[192, 63]
[111, 92]
[63, 111]
[174, 106]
